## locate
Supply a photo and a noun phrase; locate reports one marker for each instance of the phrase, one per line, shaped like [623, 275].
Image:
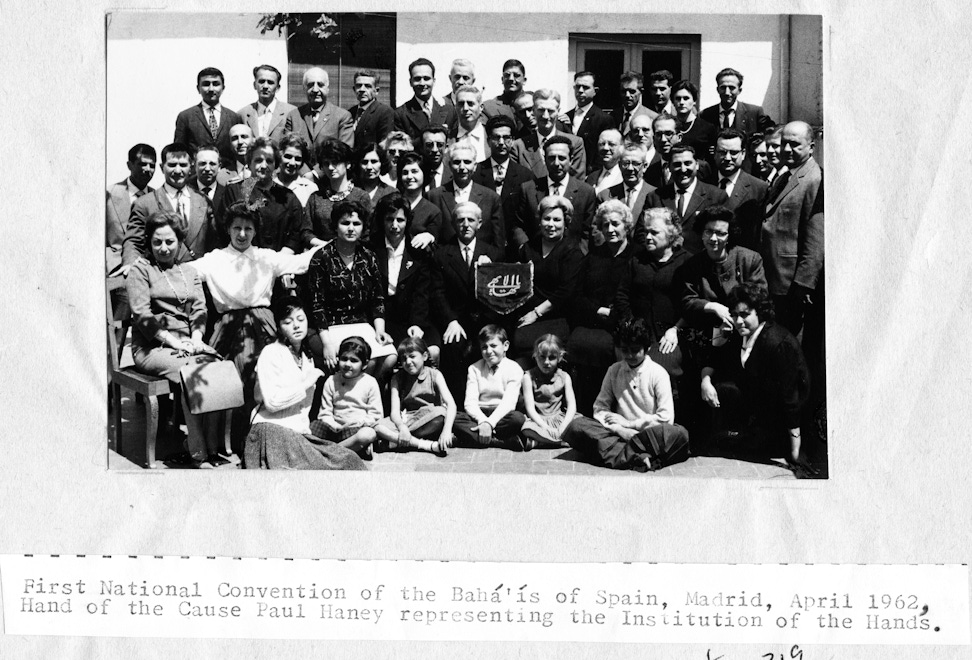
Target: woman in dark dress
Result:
[426, 217]
[695, 131]
[334, 161]
[591, 346]
[556, 267]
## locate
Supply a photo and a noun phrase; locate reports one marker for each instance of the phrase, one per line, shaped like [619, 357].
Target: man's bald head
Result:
[796, 143]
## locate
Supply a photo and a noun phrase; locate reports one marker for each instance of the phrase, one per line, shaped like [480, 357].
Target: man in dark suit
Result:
[639, 132]
[208, 121]
[422, 110]
[526, 150]
[267, 117]
[433, 149]
[501, 173]
[457, 312]
[633, 190]
[747, 194]
[557, 181]
[514, 75]
[686, 195]
[462, 73]
[174, 195]
[317, 120]
[204, 181]
[632, 84]
[373, 120]
[587, 121]
[660, 92]
[792, 243]
[664, 136]
[462, 162]
[730, 112]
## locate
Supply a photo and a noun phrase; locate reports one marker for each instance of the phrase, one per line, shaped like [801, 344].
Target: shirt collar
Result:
[472, 246]
[691, 189]
[218, 108]
[732, 108]
[734, 178]
[170, 191]
[132, 188]
[562, 183]
[636, 187]
[249, 253]
[477, 133]
[397, 251]
[465, 191]
[752, 337]
[267, 108]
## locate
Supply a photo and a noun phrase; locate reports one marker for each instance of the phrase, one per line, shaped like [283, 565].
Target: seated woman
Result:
[591, 346]
[347, 293]
[334, 159]
[279, 209]
[368, 159]
[241, 278]
[426, 217]
[556, 266]
[395, 145]
[648, 290]
[707, 278]
[280, 437]
[294, 152]
[758, 383]
[406, 274]
[169, 315]
[695, 132]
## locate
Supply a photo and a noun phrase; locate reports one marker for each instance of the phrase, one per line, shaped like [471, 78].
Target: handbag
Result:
[211, 385]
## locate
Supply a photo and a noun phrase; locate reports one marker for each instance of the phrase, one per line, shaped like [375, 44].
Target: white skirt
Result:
[366, 331]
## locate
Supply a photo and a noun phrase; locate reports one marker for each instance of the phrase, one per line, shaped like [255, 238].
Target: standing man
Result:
[640, 133]
[119, 200]
[267, 117]
[686, 195]
[631, 86]
[422, 111]
[317, 120]
[174, 195]
[792, 243]
[774, 146]
[469, 108]
[501, 173]
[587, 121]
[208, 121]
[730, 112]
[527, 150]
[433, 150]
[747, 194]
[462, 73]
[462, 188]
[235, 170]
[660, 92]
[373, 120]
[607, 174]
[514, 75]
[665, 136]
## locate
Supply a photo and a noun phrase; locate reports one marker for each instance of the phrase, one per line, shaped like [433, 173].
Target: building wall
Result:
[152, 62]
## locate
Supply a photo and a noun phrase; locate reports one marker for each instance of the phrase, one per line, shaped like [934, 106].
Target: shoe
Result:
[439, 448]
[200, 465]
[528, 443]
[217, 460]
[366, 453]
[640, 464]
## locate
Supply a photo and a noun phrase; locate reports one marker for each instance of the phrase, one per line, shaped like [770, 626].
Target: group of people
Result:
[677, 254]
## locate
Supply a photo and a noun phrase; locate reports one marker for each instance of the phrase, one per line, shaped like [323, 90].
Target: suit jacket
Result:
[280, 123]
[516, 175]
[526, 224]
[749, 118]
[200, 238]
[426, 217]
[372, 124]
[622, 126]
[701, 281]
[217, 203]
[192, 129]
[453, 287]
[118, 208]
[332, 122]
[410, 304]
[748, 200]
[654, 173]
[410, 118]
[592, 125]
[703, 197]
[526, 151]
[492, 230]
[647, 198]
[792, 241]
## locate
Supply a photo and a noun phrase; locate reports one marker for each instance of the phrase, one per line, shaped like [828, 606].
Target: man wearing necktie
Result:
[208, 121]
[500, 172]
[267, 116]
[528, 149]
[687, 195]
[422, 110]
[665, 136]
[462, 188]
[632, 84]
[607, 173]
[633, 190]
[317, 120]
[730, 112]
[747, 194]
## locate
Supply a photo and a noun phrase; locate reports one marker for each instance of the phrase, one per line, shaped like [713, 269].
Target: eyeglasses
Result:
[501, 138]
[709, 233]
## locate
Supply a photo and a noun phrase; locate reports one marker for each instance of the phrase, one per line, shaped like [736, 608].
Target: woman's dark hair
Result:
[360, 152]
[333, 150]
[239, 210]
[161, 219]
[261, 144]
[688, 87]
[412, 157]
[633, 332]
[755, 297]
[718, 214]
[388, 206]
[282, 308]
[345, 208]
[357, 347]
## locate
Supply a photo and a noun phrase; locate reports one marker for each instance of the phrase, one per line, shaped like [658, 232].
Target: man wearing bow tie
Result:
[501, 173]
[317, 120]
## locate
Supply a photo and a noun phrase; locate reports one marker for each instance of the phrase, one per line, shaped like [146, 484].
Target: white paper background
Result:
[898, 236]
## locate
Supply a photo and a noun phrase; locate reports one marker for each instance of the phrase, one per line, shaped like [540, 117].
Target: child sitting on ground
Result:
[492, 389]
[421, 405]
[548, 396]
[634, 411]
[351, 402]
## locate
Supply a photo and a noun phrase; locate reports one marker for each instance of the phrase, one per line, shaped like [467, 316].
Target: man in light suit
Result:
[462, 73]
[235, 170]
[587, 121]
[686, 195]
[373, 120]
[462, 188]
[607, 174]
[557, 180]
[469, 108]
[792, 243]
[422, 110]
[204, 181]
[633, 190]
[208, 121]
[526, 150]
[514, 75]
[317, 120]
[730, 112]
[267, 117]
[501, 173]
[174, 195]
[747, 194]
[632, 84]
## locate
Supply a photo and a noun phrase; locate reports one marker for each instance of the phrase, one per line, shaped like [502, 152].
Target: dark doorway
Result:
[656, 60]
[606, 65]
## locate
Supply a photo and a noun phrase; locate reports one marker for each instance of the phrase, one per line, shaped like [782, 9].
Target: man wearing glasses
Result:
[500, 172]
[747, 194]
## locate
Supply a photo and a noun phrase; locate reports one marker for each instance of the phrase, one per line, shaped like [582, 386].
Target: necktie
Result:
[725, 119]
[724, 183]
[213, 128]
[139, 193]
[206, 190]
[680, 203]
[182, 202]
[779, 184]
[555, 189]
[499, 176]
[314, 115]
[467, 255]
[629, 197]
[427, 109]
[624, 122]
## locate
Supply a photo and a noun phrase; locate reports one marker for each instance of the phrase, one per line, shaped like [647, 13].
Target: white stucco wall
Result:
[152, 62]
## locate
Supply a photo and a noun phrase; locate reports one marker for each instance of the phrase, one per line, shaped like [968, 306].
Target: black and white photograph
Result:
[568, 244]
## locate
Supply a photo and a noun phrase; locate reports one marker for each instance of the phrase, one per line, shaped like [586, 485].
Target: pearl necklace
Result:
[185, 284]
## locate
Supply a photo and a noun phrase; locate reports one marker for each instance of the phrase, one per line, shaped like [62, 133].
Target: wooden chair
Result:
[149, 387]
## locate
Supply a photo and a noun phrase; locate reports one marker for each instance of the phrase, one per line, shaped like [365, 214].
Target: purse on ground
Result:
[212, 385]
